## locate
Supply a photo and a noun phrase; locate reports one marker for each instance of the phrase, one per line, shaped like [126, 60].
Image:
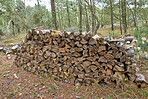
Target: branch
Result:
[116, 16]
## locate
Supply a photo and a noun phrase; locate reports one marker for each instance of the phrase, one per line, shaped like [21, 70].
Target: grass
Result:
[42, 83]
[138, 34]
[17, 71]
[15, 39]
[145, 93]
[75, 89]
[70, 91]
[55, 85]
[115, 32]
[49, 88]
[7, 75]
[10, 94]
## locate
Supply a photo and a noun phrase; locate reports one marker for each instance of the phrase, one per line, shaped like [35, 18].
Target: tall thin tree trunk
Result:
[92, 15]
[68, 13]
[80, 20]
[53, 14]
[125, 28]
[124, 16]
[38, 3]
[94, 12]
[111, 9]
[61, 14]
[87, 23]
[135, 14]
[120, 16]
[59, 18]
[13, 28]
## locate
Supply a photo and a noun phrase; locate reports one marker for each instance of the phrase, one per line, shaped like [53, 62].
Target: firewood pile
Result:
[77, 58]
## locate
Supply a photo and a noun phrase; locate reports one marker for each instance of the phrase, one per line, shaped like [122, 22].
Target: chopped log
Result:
[109, 57]
[83, 41]
[109, 72]
[102, 59]
[92, 67]
[110, 66]
[101, 48]
[86, 63]
[118, 68]
[81, 75]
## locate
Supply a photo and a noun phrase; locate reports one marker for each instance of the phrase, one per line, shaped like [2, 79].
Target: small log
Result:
[101, 48]
[109, 72]
[109, 57]
[92, 67]
[102, 59]
[86, 63]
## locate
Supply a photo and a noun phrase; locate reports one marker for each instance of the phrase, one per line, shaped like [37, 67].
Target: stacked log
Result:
[76, 58]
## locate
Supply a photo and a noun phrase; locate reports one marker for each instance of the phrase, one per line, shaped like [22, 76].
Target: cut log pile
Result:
[77, 58]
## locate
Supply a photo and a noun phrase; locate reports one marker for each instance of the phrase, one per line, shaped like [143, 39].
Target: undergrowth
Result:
[138, 34]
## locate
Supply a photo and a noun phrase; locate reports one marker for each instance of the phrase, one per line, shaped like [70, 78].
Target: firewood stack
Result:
[76, 58]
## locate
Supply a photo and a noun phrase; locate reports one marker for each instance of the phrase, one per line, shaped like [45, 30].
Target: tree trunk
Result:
[53, 14]
[13, 32]
[87, 23]
[59, 18]
[92, 15]
[8, 26]
[111, 9]
[120, 16]
[97, 27]
[68, 14]
[38, 3]
[124, 16]
[135, 14]
[80, 20]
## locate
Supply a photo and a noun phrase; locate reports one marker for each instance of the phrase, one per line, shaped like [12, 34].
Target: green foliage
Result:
[7, 75]
[139, 33]
[75, 89]
[55, 85]
[10, 94]
[42, 83]
[49, 88]
[8, 41]
[145, 93]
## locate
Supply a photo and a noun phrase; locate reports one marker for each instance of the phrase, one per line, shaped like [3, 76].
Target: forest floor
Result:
[30, 86]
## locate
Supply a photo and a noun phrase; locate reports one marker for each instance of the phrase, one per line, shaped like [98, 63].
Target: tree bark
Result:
[38, 3]
[13, 28]
[53, 14]
[68, 14]
[87, 23]
[124, 16]
[120, 16]
[135, 14]
[80, 20]
[92, 15]
[8, 26]
[111, 9]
